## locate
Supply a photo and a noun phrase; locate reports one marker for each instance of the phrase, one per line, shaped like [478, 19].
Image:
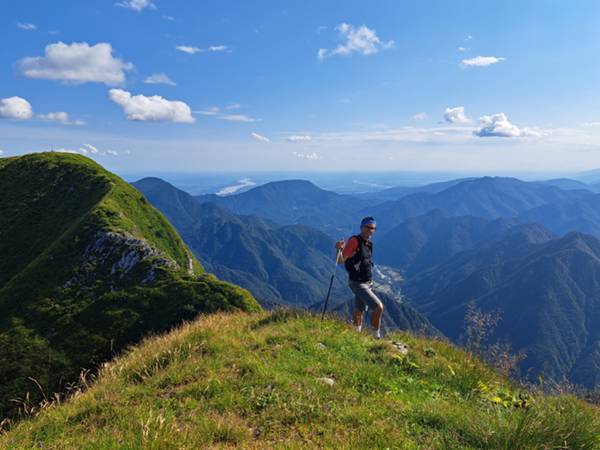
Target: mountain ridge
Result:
[88, 266]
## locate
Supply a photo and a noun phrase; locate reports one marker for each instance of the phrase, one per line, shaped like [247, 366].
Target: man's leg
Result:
[376, 316]
[369, 298]
[359, 306]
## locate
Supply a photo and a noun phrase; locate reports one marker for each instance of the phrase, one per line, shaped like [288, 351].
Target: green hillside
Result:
[286, 380]
[88, 266]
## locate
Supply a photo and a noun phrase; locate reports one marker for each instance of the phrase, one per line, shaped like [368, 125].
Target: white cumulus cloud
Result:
[15, 108]
[299, 138]
[154, 108]
[360, 39]
[481, 61]
[420, 116]
[497, 125]
[456, 115]
[77, 63]
[136, 5]
[259, 137]
[159, 78]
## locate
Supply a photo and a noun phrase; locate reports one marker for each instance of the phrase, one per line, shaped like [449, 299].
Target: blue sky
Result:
[304, 85]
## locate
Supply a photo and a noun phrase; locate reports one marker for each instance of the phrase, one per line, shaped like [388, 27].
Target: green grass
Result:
[61, 309]
[255, 381]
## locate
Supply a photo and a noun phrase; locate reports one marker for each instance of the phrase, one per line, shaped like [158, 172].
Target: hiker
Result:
[356, 256]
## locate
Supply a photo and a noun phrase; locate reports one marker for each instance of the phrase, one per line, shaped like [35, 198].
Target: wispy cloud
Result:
[90, 150]
[299, 138]
[211, 111]
[136, 5]
[309, 156]
[77, 63]
[238, 118]
[481, 61]
[217, 48]
[362, 40]
[193, 50]
[259, 137]
[187, 49]
[215, 111]
[26, 26]
[159, 78]
[60, 117]
[420, 116]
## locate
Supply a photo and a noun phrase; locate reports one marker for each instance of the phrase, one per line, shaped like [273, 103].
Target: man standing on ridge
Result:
[357, 258]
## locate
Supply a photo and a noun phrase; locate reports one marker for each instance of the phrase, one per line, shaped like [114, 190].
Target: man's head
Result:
[367, 227]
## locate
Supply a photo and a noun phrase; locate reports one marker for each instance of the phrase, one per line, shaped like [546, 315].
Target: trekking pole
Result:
[337, 258]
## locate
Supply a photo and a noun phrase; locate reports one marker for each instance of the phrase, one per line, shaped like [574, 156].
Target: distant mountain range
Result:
[488, 197]
[295, 202]
[279, 264]
[301, 202]
[580, 214]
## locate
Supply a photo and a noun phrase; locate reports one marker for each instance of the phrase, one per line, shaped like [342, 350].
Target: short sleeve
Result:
[350, 248]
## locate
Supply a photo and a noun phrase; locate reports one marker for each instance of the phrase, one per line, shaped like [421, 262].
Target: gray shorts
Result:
[364, 295]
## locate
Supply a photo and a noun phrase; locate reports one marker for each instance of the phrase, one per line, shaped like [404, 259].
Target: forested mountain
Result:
[424, 241]
[581, 214]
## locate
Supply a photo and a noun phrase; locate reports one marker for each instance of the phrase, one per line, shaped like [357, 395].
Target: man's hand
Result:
[339, 244]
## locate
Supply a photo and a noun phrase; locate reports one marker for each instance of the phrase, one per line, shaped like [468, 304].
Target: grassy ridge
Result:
[286, 380]
[88, 266]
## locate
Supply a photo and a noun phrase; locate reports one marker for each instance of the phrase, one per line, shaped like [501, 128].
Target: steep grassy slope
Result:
[88, 266]
[286, 380]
